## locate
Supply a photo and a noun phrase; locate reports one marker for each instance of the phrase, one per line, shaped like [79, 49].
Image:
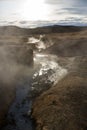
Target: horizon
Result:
[30, 13]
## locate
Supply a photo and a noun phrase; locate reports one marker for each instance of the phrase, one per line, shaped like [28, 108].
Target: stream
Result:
[46, 72]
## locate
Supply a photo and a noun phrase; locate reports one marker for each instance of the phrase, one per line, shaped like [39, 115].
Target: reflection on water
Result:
[18, 117]
[49, 66]
[46, 72]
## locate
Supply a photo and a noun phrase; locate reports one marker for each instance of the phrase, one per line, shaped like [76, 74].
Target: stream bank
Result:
[44, 74]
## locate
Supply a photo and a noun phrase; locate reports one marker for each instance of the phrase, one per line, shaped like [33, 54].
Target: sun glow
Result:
[34, 10]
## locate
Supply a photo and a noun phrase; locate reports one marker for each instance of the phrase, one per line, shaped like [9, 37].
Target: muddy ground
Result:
[62, 107]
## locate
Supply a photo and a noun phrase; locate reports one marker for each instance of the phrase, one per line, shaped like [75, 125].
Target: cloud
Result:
[74, 10]
[77, 3]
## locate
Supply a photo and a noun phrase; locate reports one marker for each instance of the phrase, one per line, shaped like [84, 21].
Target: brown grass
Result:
[63, 107]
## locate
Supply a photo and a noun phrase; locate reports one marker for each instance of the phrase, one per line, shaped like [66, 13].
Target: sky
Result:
[32, 13]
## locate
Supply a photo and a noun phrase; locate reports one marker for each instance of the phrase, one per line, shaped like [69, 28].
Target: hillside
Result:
[63, 106]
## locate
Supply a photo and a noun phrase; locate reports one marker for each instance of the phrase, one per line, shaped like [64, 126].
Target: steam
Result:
[40, 43]
[10, 69]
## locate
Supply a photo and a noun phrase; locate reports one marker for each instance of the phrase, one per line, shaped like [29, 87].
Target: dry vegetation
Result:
[64, 106]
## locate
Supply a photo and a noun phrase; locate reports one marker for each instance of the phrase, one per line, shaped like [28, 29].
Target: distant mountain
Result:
[14, 30]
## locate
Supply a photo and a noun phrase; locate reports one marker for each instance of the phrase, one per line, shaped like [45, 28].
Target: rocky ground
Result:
[63, 106]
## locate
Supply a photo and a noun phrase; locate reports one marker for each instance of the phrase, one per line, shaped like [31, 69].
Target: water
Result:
[46, 72]
[49, 66]
[18, 117]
